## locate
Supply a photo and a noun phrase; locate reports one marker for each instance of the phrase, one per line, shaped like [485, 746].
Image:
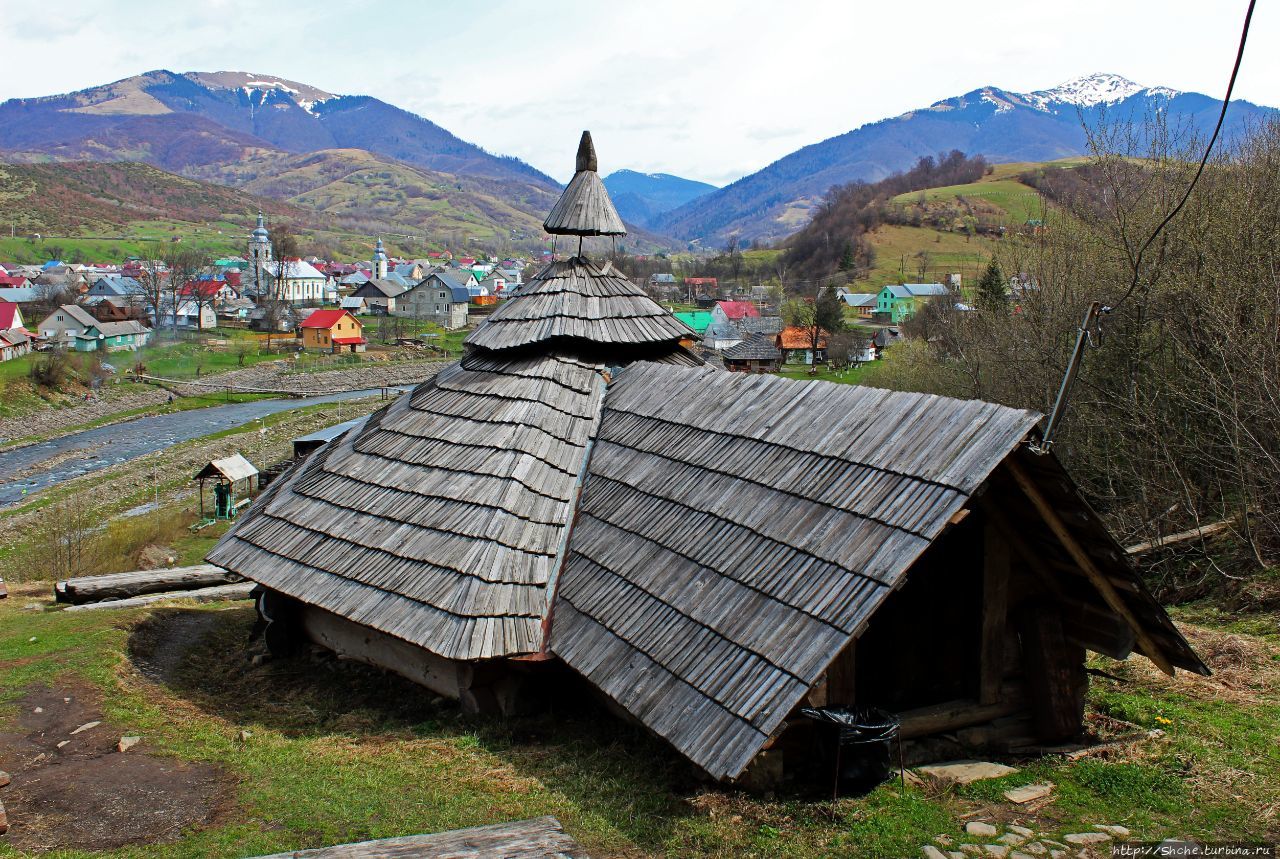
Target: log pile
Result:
[125, 590]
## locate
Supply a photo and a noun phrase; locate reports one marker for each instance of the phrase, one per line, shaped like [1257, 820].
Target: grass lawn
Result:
[185, 359]
[851, 376]
[341, 753]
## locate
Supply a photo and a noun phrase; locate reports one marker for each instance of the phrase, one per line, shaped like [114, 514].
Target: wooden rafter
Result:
[1087, 565]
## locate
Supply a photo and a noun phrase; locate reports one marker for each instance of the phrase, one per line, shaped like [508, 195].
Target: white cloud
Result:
[711, 89]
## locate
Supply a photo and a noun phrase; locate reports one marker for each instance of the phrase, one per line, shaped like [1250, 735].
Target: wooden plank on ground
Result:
[238, 591]
[87, 589]
[538, 838]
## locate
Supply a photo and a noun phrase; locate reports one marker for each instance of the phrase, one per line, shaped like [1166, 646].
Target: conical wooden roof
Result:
[584, 209]
[578, 300]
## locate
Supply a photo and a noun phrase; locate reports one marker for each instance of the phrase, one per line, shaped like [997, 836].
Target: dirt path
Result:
[73, 790]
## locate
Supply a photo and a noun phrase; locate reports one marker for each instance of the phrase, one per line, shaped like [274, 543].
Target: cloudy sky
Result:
[700, 88]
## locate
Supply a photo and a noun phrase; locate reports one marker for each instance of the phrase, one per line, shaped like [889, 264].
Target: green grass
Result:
[341, 753]
[1019, 202]
[851, 376]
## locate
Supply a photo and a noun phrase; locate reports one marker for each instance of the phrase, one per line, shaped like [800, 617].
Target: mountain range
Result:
[641, 197]
[999, 124]
[374, 166]
[368, 162]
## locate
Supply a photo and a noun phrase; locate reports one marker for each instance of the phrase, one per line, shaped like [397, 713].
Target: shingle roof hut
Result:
[710, 550]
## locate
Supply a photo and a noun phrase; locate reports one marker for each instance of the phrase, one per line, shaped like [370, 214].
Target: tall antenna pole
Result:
[1068, 379]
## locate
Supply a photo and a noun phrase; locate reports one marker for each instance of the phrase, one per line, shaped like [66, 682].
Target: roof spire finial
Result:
[584, 209]
[586, 154]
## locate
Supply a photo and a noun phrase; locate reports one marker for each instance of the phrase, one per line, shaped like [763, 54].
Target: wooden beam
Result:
[359, 643]
[995, 609]
[1086, 564]
[952, 715]
[1024, 551]
[125, 585]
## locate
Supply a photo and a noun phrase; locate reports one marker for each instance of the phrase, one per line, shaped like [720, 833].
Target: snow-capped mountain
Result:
[1090, 90]
[259, 87]
[1003, 125]
[193, 120]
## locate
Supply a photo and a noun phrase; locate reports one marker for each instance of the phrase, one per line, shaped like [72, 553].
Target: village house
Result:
[757, 354]
[354, 305]
[698, 320]
[796, 344]
[14, 343]
[11, 317]
[128, 336]
[732, 311]
[21, 294]
[701, 286]
[898, 302]
[440, 298]
[15, 340]
[380, 295]
[721, 335]
[863, 303]
[64, 325]
[906, 552]
[332, 331]
[194, 315]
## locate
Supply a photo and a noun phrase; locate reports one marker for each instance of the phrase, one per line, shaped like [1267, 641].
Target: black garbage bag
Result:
[863, 745]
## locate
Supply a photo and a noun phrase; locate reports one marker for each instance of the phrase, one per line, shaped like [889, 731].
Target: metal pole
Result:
[1068, 379]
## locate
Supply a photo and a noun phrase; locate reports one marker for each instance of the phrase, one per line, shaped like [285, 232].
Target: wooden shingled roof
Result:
[702, 543]
[729, 544]
[438, 521]
[584, 209]
[577, 300]
[757, 347]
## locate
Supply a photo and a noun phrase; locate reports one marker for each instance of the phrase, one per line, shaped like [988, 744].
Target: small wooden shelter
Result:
[757, 354]
[712, 551]
[229, 475]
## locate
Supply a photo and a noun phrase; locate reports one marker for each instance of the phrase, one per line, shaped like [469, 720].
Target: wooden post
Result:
[995, 609]
[840, 677]
[1055, 674]
[1086, 564]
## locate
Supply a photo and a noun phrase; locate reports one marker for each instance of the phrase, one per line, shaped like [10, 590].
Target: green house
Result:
[698, 320]
[898, 302]
[113, 337]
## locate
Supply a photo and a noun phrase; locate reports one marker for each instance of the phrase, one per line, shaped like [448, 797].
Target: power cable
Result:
[1217, 129]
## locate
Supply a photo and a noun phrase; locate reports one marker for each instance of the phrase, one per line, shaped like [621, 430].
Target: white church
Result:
[293, 280]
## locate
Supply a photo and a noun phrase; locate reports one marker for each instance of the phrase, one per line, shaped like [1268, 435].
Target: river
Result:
[49, 463]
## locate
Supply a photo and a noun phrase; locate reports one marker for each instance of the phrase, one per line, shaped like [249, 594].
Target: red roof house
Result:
[10, 316]
[732, 311]
[332, 331]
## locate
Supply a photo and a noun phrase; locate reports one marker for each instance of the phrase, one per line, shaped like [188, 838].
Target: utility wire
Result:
[1217, 129]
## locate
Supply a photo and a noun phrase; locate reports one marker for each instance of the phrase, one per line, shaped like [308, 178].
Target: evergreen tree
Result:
[991, 289]
[846, 258]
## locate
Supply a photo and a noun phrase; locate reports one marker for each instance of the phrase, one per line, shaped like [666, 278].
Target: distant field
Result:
[1019, 202]
[901, 253]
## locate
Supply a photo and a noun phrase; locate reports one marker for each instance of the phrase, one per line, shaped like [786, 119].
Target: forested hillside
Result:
[837, 238]
[73, 197]
[1172, 422]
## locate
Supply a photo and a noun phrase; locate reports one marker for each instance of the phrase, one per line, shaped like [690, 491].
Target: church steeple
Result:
[379, 261]
[260, 244]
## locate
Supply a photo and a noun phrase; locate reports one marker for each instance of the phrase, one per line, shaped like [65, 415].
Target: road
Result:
[48, 463]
